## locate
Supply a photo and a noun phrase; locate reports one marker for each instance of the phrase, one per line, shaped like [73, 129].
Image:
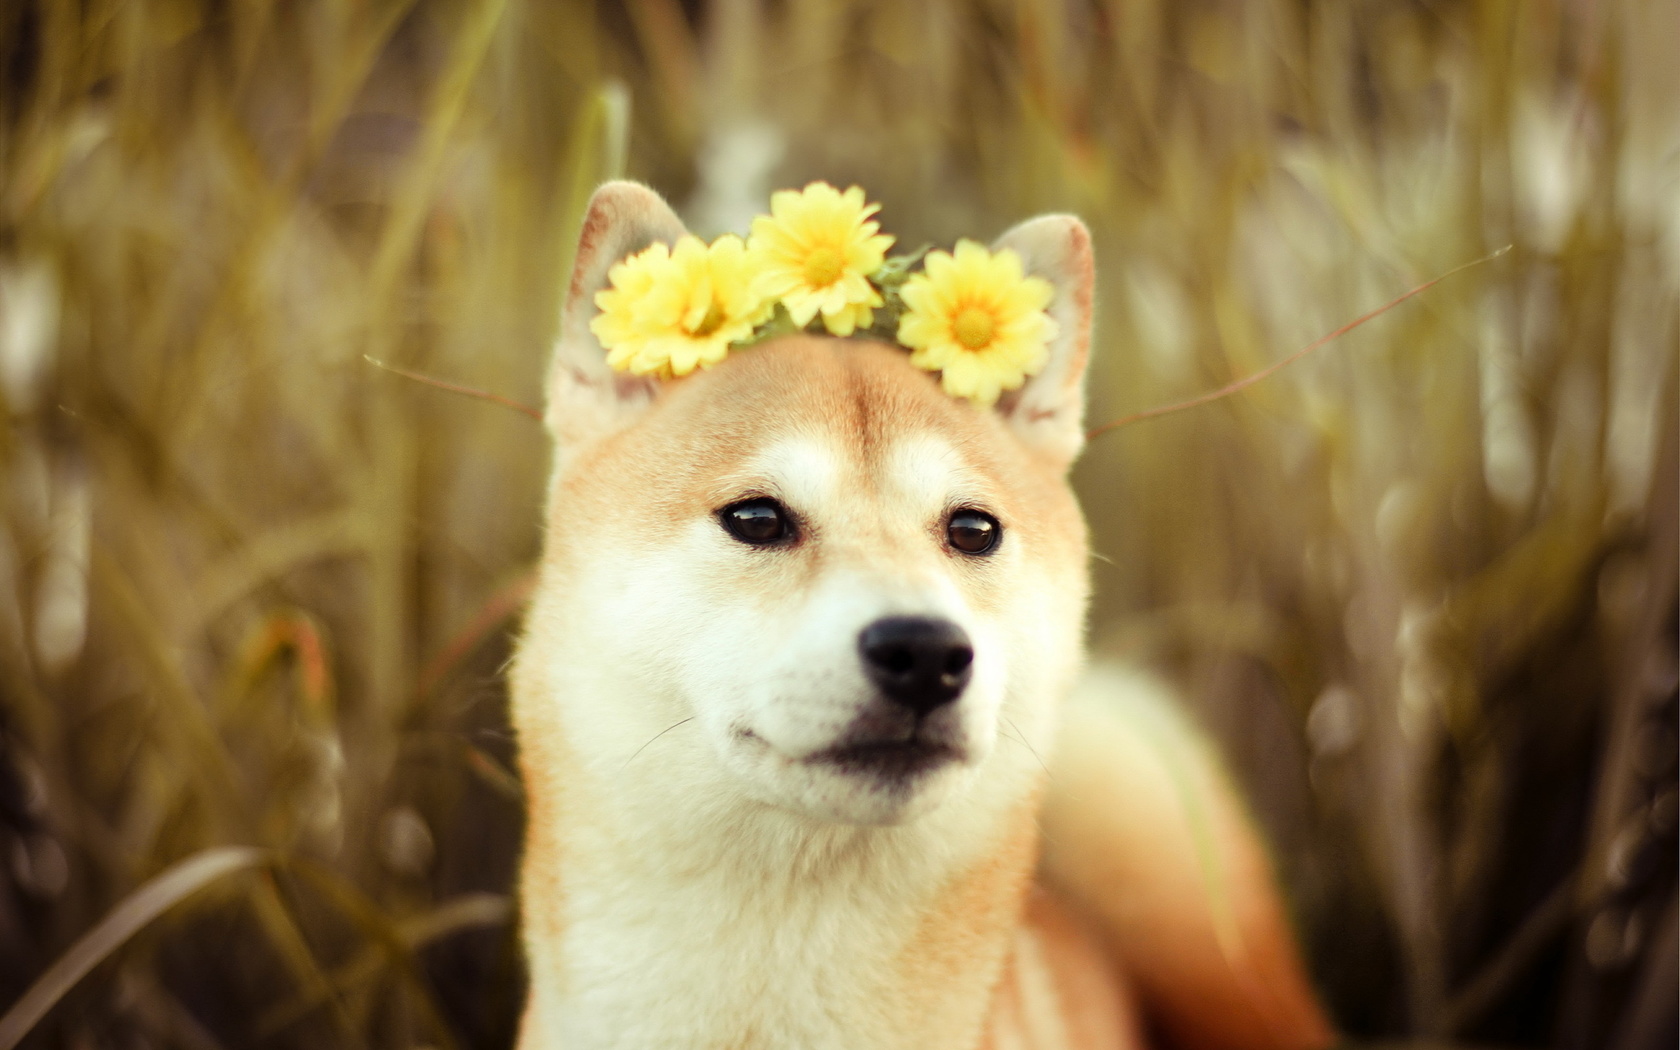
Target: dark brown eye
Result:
[972, 531]
[759, 522]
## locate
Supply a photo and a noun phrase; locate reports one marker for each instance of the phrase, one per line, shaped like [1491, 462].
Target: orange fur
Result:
[1145, 833]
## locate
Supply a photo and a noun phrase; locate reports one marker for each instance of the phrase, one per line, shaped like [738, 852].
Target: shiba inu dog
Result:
[788, 700]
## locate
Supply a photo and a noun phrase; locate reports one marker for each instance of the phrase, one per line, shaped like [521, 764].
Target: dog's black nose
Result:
[917, 661]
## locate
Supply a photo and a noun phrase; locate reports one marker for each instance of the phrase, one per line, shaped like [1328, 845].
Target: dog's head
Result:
[866, 595]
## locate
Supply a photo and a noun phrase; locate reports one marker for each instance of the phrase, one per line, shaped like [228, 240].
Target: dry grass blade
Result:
[384, 932]
[469, 911]
[1277, 366]
[139, 908]
[497, 610]
[414, 195]
[205, 758]
[488, 770]
[497, 776]
[1542, 924]
[292, 946]
[458, 388]
[165, 1015]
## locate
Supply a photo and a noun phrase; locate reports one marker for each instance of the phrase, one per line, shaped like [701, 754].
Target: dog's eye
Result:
[973, 531]
[757, 521]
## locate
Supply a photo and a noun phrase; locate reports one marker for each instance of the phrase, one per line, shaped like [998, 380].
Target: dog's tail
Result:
[1144, 833]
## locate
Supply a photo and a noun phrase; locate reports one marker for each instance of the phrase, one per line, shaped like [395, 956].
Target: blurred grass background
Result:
[256, 592]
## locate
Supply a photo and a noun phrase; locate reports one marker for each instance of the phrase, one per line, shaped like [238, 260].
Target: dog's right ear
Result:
[1048, 412]
[587, 399]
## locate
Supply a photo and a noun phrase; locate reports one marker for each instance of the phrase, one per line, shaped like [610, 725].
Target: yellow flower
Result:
[977, 320]
[815, 252]
[670, 311]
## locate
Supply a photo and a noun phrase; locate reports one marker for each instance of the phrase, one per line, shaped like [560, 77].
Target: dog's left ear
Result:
[586, 398]
[1048, 412]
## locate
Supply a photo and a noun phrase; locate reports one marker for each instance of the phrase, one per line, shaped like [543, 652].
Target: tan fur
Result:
[973, 918]
[1143, 829]
[1061, 988]
[671, 899]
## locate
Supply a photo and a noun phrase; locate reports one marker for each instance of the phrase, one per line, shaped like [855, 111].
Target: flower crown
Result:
[971, 315]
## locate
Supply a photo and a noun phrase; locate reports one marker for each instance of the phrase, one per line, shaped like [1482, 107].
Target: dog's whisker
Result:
[1022, 737]
[656, 736]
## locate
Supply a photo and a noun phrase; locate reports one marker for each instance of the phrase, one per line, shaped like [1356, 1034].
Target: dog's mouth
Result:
[894, 760]
[871, 775]
[896, 757]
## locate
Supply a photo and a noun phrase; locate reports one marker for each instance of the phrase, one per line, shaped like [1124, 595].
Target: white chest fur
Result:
[746, 927]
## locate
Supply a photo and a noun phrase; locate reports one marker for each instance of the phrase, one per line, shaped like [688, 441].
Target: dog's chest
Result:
[706, 964]
[822, 976]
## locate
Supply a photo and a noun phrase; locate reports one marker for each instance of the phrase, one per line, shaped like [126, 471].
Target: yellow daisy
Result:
[977, 320]
[672, 310]
[815, 252]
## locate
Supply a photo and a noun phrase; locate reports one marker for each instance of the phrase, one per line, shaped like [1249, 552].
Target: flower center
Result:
[709, 323]
[822, 267]
[974, 327]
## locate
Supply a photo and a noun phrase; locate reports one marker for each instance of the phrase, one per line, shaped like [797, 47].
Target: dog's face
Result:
[865, 594]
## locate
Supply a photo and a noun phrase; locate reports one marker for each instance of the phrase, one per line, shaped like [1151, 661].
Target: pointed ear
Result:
[1048, 412]
[587, 399]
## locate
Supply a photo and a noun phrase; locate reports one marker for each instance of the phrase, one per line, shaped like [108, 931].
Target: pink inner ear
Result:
[586, 399]
[1010, 405]
[1048, 411]
[596, 224]
[622, 219]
